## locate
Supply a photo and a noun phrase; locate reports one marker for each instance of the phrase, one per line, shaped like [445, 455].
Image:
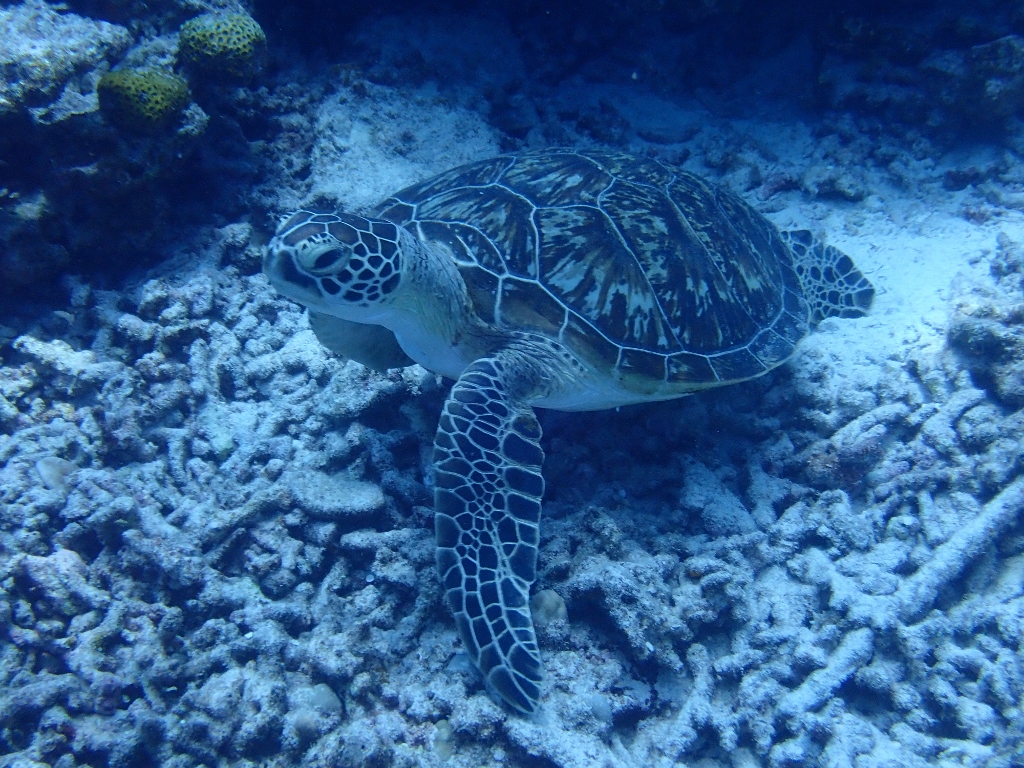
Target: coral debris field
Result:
[216, 537]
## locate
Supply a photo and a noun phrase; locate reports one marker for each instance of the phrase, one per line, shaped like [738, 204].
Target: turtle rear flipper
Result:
[833, 285]
[489, 485]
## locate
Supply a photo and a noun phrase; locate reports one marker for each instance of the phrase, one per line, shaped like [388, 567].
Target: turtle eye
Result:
[328, 259]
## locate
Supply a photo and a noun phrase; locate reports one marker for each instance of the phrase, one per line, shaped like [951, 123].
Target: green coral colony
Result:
[142, 100]
[230, 45]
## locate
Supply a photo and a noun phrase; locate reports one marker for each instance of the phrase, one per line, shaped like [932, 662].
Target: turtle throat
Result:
[431, 315]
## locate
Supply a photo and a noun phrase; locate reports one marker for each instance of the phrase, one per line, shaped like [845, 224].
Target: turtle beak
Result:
[279, 267]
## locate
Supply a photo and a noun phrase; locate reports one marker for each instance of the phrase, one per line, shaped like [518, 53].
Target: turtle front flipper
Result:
[372, 345]
[489, 485]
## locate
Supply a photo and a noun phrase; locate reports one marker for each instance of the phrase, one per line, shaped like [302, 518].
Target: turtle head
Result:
[336, 263]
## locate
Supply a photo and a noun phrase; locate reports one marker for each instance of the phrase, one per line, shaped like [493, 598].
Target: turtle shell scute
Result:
[649, 272]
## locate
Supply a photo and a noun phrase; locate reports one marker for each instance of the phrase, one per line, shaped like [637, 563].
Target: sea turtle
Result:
[565, 279]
